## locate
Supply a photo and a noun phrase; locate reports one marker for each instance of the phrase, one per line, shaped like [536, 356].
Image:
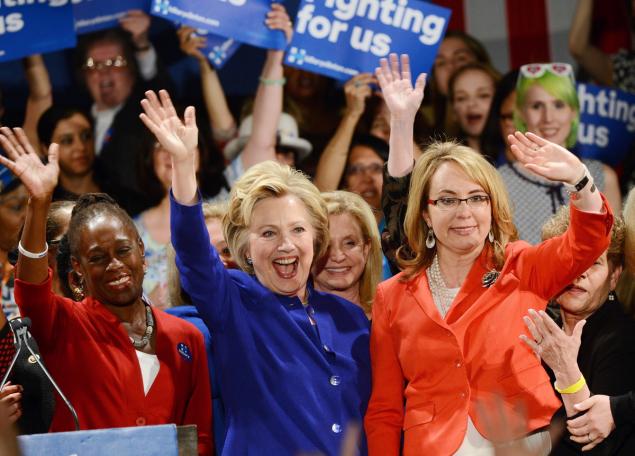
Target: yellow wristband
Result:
[270, 82]
[571, 389]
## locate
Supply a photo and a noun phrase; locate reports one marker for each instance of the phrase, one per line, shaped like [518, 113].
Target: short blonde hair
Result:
[480, 171]
[559, 222]
[343, 202]
[629, 238]
[175, 293]
[266, 180]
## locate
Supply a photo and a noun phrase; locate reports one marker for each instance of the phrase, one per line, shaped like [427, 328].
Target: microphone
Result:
[20, 328]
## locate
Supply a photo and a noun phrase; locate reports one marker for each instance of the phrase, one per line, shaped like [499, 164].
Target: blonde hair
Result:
[343, 202]
[559, 222]
[629, 231]
[266, 180]
[480, 171]
[210, 211]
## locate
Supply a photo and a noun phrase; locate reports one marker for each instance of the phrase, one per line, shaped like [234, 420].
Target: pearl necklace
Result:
[442, 295]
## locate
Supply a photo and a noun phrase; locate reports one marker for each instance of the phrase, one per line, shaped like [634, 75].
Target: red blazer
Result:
[445, 370]
[91, 358]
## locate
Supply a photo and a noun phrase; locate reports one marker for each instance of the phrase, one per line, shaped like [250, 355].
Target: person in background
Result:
[57, 222]
[547, 105]
[293, 361]
[116, 66]
[352, 267]
[592, 345]
[182, 307]
[129, 381]
[500, 122]
[460, 299]
[470, 92]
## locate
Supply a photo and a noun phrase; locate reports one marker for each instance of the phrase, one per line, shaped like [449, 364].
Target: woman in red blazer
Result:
[448, 366]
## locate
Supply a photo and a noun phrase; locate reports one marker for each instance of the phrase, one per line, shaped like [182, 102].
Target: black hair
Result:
[49, 119]
[492, 141]
[64, 266]
[113, 35]
[89, 206]
[378, 145]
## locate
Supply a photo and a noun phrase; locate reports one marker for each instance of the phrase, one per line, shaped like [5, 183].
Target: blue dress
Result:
[288, 386]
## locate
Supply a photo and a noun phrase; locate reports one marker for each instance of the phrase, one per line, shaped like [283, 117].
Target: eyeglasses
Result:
[358, 169]
[449, 203]
[537, 70]
[98, 65]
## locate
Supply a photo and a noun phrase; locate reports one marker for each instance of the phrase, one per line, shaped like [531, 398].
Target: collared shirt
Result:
[103, 121]
[288, 386]
[89, 354]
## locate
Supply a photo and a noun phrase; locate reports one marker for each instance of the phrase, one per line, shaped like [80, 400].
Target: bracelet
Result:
[34, 256]
[581, 183]
[270, 82]
[571, 389]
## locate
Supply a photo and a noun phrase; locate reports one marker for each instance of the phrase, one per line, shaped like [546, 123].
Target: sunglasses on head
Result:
[537, 70]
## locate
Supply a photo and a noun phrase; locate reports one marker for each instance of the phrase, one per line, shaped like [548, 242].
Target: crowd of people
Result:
[321, 262]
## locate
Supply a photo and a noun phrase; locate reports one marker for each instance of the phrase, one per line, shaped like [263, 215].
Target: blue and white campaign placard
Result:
[340, 38]
[242, 20]
[28, 28]
[218, 49]
[607, 123]
[94, 15]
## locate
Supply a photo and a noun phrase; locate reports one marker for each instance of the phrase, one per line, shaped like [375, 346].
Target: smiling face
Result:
[547, 116]
[347, 255]
[76, 145]
[110, 260]
[462, 230]
[590, 290]
[364, 175]
[473, 93]
[453, 54]
[280, 244]
[108, 86]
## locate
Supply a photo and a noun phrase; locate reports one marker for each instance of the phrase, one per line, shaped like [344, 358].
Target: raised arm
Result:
[40, 94]
[40, 181]
[592, 59]
[268, 102]
[222, 122]
[332, 162]
[137, 23]
[403, 101]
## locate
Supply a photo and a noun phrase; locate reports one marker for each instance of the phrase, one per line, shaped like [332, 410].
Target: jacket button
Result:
[327, 349]
[335, 380]
[336, 428]
[458, 364]
[463, 395]
[141, 421]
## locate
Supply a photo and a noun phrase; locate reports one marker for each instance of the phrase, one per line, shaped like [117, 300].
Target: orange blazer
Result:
[429, 374]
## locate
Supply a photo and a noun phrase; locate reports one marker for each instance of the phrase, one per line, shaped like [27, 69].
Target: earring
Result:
[490, 236]
[78, 292]
[430, 240]
[250, 262]
[611, 296]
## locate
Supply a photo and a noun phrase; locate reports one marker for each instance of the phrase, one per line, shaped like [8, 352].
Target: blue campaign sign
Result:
[242, 20]
[607, 123]
[340, 38]
[93, 15]
[33, 28]
[219, 49]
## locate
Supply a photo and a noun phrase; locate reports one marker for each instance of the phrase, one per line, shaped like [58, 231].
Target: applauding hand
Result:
[39, 179]
[179, 138]
[402, 99]
[545, 158]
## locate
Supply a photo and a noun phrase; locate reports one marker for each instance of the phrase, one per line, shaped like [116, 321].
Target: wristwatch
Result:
[574, 189]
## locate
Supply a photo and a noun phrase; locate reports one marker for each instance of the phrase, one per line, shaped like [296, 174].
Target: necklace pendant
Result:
[489, 278]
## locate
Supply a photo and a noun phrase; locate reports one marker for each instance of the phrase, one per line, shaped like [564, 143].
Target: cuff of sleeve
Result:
[147, 61]
[585, 217]
[621, 408]
[175, 205]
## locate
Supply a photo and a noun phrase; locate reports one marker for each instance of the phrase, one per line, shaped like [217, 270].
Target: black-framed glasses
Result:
[99, 65]
[448, 203]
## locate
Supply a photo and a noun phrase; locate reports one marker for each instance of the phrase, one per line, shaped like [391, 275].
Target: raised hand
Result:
[278, 19]
[545, 158]
[190, 43]
[357, 90]
[179, 138]
[39, 179]
[137, 23]
[401, 97]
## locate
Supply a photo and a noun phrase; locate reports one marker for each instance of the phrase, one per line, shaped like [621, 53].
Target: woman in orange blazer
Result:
[448, 366]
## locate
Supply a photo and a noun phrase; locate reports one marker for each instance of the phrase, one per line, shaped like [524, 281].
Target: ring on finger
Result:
[538, 342]
[588, 436]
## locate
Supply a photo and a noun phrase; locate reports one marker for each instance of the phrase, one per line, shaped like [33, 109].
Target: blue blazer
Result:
[287, 386]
